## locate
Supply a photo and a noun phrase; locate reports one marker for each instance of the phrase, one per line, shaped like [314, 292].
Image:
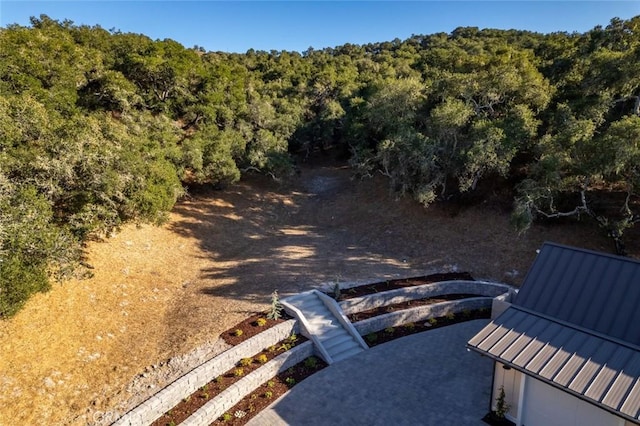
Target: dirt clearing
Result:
[87, 347]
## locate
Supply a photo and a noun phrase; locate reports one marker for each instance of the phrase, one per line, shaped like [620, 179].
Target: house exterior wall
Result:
[534, 403]
[509, 379]
[545, 405]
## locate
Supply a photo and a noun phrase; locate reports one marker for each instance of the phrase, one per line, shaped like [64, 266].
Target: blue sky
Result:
[236, 26]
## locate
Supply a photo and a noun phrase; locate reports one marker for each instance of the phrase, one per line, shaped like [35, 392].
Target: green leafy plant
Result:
[237, 332]
[268, 394]
[238, 372]
[372, 337]
[227, 417]
[336, 290]
[290, 381]
[450, 315]
[262, 358]
[410, 326]
[271, 384]
[432, 321]
[244, 362]
[275, 310]
[501, 404]
[311, 362]
[389, 330]
[261, 322]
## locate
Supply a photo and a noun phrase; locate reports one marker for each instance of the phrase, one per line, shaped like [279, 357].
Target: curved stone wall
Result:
[171, 395]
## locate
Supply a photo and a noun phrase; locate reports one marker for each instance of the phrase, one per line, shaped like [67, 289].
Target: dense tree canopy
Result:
[99, 128]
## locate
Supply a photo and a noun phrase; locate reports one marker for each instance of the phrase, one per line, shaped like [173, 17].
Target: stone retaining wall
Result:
[170, 396]
[224, 401]
[420, 313]
[480, 288]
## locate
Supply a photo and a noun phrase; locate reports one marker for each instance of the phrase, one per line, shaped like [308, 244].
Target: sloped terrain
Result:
[166, 293]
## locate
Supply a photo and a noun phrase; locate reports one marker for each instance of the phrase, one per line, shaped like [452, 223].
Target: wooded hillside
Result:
[98, 127]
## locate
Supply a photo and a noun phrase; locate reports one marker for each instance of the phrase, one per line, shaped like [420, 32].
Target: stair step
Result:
[337, 331]
[333, 335]
[347, 354]
[343, 346]
[317, 312]
[321, 330]
[337, 340]
[310, 303]
[332, 343]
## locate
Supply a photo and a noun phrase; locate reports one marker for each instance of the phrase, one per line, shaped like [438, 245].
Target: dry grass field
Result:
[159, 292]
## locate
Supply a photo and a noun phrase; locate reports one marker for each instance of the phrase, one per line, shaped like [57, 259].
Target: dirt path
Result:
[78, 351]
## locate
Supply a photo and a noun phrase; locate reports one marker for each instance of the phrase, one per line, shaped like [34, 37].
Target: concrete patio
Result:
[424, 379]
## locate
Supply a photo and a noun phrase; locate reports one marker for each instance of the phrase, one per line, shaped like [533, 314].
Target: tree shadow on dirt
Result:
[262, 236]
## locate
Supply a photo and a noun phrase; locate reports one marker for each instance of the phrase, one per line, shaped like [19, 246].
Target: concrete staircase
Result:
[323, 322]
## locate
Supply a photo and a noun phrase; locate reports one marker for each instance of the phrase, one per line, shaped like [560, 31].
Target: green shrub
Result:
[32, 247]
[311, 362]
[275, 310]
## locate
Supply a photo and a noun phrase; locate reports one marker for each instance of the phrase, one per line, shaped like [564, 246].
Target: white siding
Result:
[545, 405]
[510, 380]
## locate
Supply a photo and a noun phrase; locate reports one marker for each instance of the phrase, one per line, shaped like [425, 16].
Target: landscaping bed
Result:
[210, 390]
[392, 333]
[263, 396]
[378, 287]
[255, 324]
[359, 316]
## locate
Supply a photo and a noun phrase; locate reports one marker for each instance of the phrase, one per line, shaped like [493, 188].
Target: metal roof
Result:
[591, 367]
[575, 324]
[597, 291]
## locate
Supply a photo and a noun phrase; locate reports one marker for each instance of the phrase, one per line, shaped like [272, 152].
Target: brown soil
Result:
[77, 352]
[353, 292]
[199, 398]
[360, 316]
[268, 392]
[408, 329]
[248, 328]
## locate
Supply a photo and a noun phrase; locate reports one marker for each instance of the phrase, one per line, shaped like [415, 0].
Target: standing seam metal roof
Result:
[575, 324]
[591, 367]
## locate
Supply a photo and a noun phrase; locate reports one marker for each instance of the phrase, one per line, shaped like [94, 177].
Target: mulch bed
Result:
[192, 403]
[392, 333]
[250, 327]
[363, 290]
[263, 396]
[268, 392]
[359, 316]
[493, 420]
